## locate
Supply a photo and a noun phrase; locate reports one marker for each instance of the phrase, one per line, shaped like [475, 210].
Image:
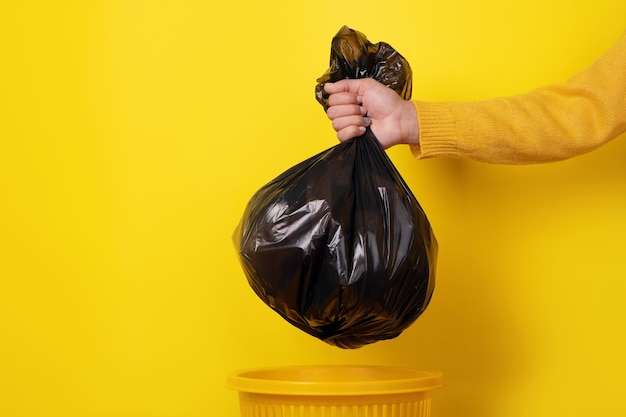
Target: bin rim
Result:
[408, 380]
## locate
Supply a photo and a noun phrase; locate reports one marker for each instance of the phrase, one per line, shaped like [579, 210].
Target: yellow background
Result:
[132, 133]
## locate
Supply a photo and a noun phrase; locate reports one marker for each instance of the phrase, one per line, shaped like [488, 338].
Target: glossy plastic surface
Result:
[353, 56]
[339, 246]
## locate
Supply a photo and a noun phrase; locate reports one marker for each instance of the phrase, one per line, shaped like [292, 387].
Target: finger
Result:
[344, 98]
[343, 86]
[350, 132]
[344, 110]
[347, 122]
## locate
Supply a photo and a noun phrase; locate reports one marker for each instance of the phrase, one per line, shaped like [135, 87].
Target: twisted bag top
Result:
[353, 56]
[338, 245]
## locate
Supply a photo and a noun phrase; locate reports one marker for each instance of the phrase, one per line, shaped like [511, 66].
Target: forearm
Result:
[548, 124]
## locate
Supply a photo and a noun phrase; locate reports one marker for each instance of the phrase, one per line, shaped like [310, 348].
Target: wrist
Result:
[410, 124]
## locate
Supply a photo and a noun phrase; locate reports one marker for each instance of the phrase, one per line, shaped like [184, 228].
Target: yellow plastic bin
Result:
[335, 391]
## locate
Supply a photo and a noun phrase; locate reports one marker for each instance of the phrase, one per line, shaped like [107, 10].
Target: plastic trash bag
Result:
[338, 245]
[353, 56]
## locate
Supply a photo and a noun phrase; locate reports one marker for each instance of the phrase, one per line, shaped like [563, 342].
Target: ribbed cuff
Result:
[437, 131]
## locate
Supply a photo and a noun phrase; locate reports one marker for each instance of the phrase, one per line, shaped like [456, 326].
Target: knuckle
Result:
[336, 125]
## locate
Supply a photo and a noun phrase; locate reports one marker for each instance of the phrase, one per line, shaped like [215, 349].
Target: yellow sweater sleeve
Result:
[551, 123]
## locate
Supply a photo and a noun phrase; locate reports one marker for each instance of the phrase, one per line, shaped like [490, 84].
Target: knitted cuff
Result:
[437, 131]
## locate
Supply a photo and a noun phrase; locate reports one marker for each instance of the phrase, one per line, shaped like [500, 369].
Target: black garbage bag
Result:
[338, 245]
[353, 56]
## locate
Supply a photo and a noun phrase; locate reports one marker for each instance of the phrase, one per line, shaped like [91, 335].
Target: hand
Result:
[358, 103]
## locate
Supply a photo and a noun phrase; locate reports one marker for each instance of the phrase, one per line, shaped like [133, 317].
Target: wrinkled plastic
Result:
[338, 245]
[353, 56]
